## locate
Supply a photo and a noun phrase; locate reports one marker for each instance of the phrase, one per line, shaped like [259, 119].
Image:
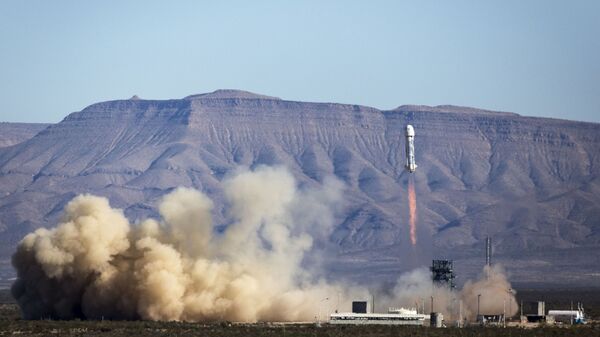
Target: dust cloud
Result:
[415, 289]
[95, 264]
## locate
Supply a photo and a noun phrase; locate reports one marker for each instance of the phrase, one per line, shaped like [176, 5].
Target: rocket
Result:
[410, 166]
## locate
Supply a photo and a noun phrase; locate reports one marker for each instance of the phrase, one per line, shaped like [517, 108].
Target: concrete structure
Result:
[436, 320]
[569, 316]
[360, 307]
[395, 316]
[541, 311]
[491, 320]
[540, 315]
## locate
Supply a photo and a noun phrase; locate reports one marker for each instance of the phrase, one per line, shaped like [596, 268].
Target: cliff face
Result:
[530, 183]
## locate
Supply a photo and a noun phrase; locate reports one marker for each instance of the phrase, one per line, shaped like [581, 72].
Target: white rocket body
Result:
[411, 165]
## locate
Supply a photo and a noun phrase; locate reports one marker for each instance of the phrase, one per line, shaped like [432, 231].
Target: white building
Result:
[395, 316]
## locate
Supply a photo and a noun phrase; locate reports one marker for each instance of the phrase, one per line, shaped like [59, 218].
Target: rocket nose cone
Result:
[409, 130]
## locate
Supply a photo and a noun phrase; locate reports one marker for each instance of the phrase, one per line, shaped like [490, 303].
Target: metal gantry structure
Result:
[442, 273]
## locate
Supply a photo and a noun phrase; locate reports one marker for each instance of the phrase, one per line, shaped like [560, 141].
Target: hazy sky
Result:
[538, 58]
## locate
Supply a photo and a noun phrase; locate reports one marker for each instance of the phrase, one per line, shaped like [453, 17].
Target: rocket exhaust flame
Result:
[412, 208]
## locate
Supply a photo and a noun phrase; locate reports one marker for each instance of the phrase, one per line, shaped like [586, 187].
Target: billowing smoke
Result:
[415, 289]
[95, 264]
[412, 210]
[494, 291]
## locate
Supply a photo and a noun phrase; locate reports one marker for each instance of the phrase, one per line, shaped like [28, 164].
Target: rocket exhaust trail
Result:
[412, 208]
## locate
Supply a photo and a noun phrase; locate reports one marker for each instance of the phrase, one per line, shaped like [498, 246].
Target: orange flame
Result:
[412, 207]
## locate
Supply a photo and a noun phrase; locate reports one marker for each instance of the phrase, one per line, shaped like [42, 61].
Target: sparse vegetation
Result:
[12, 324]
[143, 328]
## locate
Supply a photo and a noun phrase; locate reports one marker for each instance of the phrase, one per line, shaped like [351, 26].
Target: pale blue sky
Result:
[537, 58]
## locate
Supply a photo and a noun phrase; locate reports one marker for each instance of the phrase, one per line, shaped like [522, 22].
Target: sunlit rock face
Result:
[15, 133]
[529, 183]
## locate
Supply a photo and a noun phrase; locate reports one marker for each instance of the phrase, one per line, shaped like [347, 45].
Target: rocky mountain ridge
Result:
[15, 133]
[530, 183]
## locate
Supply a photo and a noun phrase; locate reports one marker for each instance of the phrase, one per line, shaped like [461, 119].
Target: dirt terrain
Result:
[11, 324]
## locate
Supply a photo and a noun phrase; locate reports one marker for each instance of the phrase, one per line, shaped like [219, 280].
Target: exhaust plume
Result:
[494, 289]
[415, 288]
[95, 264]
[412, 210]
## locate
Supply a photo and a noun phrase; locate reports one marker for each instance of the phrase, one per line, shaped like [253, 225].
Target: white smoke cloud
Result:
[96, 264]
[495, 291]
[415, 289]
